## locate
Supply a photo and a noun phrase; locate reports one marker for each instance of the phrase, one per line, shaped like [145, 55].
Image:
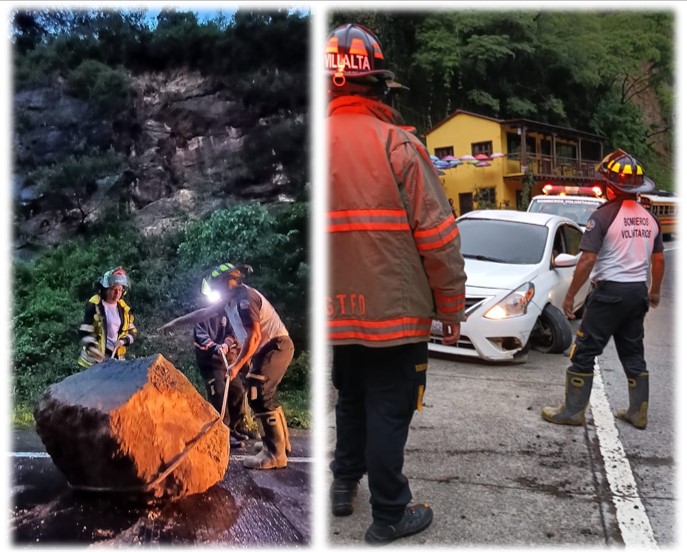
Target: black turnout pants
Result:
[613, 309]
[378, 392]
[213, 371]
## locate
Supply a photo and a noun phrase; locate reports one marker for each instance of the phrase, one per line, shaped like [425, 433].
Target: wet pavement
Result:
[249, 507]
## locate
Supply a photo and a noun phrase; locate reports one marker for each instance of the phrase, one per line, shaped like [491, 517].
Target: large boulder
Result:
[120, 424]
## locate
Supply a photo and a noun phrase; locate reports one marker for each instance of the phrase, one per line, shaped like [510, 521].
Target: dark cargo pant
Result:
[267, 368]
[379, 390]
[613, 309]
[214, 372]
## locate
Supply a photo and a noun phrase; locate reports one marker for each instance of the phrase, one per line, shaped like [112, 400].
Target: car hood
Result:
[495, 276]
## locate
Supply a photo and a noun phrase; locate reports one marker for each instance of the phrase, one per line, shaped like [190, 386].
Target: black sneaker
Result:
[342, 494]
[236, 443]
[245, 433]
[235, 434]
[415, 519]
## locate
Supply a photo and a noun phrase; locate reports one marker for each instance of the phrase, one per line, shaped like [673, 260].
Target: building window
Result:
[482, 147]
[566, 153]
[514, 141]
[485, 198]
[443, 152]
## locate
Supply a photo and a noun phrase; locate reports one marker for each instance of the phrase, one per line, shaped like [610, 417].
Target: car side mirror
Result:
[563, 260]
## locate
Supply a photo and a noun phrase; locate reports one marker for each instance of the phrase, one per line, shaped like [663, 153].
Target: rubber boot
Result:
[578, 387]
[285, 428]
[273, 452]
[636, 413]
[258, 444]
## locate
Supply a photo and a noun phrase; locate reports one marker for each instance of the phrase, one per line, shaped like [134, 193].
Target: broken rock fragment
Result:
[119, 425]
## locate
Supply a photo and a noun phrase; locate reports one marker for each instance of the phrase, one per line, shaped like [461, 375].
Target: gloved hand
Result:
[222, 349]
[95, 353]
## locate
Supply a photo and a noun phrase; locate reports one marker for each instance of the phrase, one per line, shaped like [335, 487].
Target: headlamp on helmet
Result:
[222, 276]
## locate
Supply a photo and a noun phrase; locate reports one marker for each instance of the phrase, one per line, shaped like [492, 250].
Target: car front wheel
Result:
[552, 332]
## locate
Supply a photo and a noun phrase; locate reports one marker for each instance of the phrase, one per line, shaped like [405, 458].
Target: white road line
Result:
[292, 460]
[29, 455]
[634, 524]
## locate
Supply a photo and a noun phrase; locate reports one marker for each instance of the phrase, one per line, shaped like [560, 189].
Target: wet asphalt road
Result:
[497, 475]
[249, 507]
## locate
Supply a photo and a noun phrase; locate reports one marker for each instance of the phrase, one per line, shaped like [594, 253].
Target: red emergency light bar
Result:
[592, 191]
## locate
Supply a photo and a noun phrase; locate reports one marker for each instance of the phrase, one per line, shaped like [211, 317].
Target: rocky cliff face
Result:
[180, 143]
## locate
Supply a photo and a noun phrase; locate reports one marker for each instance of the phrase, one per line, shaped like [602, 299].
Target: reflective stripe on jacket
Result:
[93, 331]
[394, 246]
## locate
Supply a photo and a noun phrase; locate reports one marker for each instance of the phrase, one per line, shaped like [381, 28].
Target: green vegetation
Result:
[105, 88]
[595, 71]
[254, 60]
[50, 293]
[91, 60]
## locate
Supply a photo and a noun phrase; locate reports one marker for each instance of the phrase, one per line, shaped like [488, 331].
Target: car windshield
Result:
[502, 241]
[577, 211]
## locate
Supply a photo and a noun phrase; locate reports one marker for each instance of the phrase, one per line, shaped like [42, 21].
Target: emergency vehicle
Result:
[574, 202]
[663, 205]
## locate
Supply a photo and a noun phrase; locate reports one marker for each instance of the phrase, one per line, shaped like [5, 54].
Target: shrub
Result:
[50, 293]
[105, 88]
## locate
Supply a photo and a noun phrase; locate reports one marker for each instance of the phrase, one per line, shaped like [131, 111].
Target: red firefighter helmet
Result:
[353, 52]
[624, 173]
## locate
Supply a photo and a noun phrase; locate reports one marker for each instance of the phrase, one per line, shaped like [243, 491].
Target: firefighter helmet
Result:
[224, 275]
[624, 173]
[353, 52]
[114, 277]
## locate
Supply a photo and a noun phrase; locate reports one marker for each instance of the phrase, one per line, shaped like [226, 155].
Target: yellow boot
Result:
[273, 452]
[285, 428]
[282, 417]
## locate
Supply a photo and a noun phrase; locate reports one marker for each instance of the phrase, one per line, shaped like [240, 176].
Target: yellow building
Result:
[513, 153]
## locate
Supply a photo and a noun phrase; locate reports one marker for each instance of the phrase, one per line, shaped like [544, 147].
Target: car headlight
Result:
[512, 305]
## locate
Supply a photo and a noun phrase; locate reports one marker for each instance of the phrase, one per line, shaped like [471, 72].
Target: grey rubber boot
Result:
[273, 452]
[578, 388]
[636, 413]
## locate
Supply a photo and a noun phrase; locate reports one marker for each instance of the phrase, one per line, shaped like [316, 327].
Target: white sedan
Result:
[519, 266]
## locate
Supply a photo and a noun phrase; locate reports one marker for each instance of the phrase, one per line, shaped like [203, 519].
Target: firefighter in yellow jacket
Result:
[395, 265]
[108, 326]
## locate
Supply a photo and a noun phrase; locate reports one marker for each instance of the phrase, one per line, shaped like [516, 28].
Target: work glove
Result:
[221, 349]
[95, 353]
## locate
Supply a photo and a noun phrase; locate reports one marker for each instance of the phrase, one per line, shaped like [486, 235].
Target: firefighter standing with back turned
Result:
[622, 252]
[395, 264]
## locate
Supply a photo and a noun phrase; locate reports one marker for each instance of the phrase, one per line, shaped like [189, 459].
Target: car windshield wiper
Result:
[484, 258]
